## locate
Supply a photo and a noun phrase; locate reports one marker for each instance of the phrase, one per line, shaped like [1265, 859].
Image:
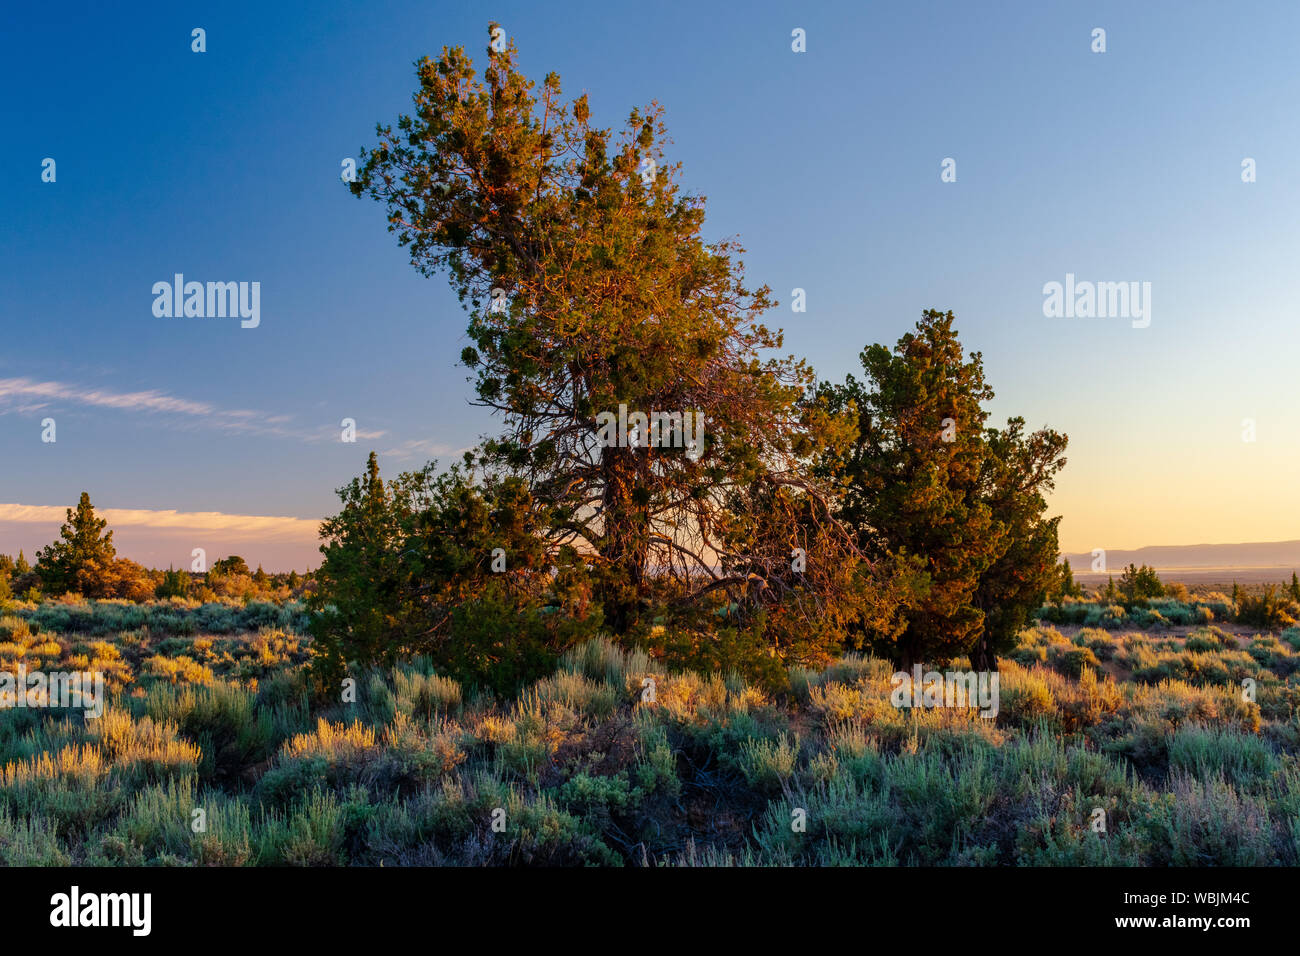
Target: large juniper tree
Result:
[609, 296]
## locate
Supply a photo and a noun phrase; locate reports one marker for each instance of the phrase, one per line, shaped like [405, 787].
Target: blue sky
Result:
[1119, 166]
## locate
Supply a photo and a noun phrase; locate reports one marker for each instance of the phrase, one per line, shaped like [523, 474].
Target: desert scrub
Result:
[158, 827]
[853, 667]
[1034, 645]
[856, 752]
[521, 745]
[1209, 639]
[579, 694]
[599, 659]
[1210, 823]
[309, 834]
[688, 697]
[1065, 835]
[233, 726]
[70, 788]
[106, 658]
[768, 764]
[926, 809]
[142, 750]
[535, 830]
[1205, 751]
[656, 766]
[30, 841]
[174, 616]
[419, 692]
[13, 627]
[847, 822]
[177, 670]
[834, 703]
[1087, 701]
[270, 649]
[416, 753]
[596, 797]
[1177, 702]
[1024, 697]
[585, 771]
[32, 650]
[1073, 661]
[332, 756]
[1100, 642]
[1273, 654]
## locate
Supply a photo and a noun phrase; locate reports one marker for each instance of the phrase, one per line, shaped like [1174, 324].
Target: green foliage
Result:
[175, 584]
[925, 481]
[1268, 609]
[233, 564]
[1064, 586]
[79, 561]
[448, 568]
[1137, 584]
[505, 185]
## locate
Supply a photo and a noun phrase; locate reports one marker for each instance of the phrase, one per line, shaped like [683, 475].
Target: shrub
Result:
[178, 670]
[1268, 609]
[768, 764]
[1024, 698]
[1073, 662]
[1204, 751]
[1209, 822]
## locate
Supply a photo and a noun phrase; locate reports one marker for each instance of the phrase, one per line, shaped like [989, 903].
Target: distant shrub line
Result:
[175, 616]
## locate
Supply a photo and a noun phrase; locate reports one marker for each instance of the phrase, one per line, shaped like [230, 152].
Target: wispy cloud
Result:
[421, 448]
[28, 396]
[204, 522]
[25, 395]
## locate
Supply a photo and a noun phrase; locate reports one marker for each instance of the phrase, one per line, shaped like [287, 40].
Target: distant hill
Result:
[1262, 554]
[1255, 561]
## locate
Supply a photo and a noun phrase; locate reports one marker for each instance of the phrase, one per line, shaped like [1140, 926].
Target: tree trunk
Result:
[982, 657]
[624, 545]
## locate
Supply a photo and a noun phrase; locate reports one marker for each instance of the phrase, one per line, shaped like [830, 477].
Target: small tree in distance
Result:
[81, 559]
[1139, 583]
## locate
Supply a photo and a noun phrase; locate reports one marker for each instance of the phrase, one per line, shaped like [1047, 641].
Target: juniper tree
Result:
[1065, 585]
[589, 286]
[1018, 469]
[174, 584]
[927, 484]
[441, 565]
[82, 557]
[1139, 583]
[230, 566]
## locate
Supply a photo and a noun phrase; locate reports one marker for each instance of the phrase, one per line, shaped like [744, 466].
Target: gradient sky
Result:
[225, 166]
